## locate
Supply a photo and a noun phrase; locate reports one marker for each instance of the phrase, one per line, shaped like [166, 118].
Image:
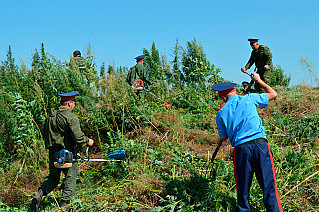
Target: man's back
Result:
[62, 128]
[137, 72]
[238, 118]
[78, 62]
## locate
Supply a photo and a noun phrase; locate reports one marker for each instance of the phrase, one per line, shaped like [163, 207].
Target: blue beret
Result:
[140, 57]
[68, 96]
[223, 86]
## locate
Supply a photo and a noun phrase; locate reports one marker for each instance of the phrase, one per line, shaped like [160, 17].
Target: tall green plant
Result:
[278, 77]
[198, 71]
[153, 64]
[10, 75]
[177, 75]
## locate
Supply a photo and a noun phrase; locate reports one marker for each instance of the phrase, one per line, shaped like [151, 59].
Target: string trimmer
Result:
[64, 158]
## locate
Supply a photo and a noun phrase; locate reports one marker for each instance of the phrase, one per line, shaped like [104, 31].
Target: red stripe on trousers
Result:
[235, 173]
[273, 172]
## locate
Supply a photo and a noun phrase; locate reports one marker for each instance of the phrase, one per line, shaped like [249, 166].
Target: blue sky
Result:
[119, 30]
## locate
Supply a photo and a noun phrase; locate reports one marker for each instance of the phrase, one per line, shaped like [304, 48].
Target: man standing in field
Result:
[78, 61]
[262, 58]
[239, 122]
[138, 75]
[61, 131]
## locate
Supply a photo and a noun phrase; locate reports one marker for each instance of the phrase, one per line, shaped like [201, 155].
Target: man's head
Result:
[68, 104]
[68, 99]
[245, 84]
[140, 59]
[253, 43]
[225, 90]
[77, 53]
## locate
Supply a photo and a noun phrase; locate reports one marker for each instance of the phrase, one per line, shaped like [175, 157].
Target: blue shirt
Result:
[238, 119]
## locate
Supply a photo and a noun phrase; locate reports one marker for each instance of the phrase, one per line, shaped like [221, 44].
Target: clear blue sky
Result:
[119, 30]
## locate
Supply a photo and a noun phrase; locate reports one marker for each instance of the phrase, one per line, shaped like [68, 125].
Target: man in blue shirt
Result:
[239, 122]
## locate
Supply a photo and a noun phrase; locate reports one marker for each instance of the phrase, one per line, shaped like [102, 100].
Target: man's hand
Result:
[244, 70]
[255, 77]
[91, 142]
[266, 67]
[272, 94]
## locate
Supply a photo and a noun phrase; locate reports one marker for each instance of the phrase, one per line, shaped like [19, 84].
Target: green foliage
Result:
[292, 130]
[199, 193]
[177, 76]
[197, 70]
[163, 167]
[278, 77]
[153, 64]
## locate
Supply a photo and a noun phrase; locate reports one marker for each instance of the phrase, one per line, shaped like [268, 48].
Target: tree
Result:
[152, 63]
[278, 77]
[177, 76]
[198, 71]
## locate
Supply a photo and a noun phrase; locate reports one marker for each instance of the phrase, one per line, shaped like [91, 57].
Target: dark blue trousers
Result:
[255, 158]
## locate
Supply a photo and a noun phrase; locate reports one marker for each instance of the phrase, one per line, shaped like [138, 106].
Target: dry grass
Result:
[301, 103]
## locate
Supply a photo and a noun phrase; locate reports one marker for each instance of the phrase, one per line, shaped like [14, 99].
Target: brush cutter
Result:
[138, 85]
[208, 167]
[64, 158]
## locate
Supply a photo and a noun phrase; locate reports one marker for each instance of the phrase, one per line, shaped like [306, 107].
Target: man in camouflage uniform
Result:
[138, 72]
[262, 58]
[78, 61]
[61, 131]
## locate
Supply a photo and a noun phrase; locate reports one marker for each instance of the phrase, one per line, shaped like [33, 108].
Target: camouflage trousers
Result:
[53, 179]
[264, 76]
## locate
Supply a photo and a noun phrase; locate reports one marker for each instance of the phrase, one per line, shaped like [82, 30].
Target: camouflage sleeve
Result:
[72, 62]
[268, 55]
[82, 63]
[250, 62]
[129, 77]
[80, 139]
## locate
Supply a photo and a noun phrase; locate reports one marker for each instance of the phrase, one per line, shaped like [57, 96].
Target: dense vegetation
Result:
[167, 147]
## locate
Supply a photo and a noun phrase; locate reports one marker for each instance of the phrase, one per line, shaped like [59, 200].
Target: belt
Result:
[255, 141]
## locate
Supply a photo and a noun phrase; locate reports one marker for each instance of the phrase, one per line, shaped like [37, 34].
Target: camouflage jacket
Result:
[62, 128]
[78, 62]
[261, 57]
[137, 72]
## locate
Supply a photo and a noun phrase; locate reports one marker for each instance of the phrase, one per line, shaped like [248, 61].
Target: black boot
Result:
[36, 200]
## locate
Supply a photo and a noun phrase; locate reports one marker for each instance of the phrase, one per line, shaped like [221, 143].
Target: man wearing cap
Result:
[245, 85]
[262, 58]
[239, 122]
[61, 131]
[78, 61]
[138, 75]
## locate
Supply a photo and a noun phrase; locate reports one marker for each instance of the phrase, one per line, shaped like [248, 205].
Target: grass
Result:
[166, 149]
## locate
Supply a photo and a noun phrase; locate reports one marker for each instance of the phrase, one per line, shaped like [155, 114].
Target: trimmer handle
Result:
[87, 153]
[87, 149]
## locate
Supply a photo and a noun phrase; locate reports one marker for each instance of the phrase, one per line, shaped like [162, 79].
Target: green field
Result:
[167, 149]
